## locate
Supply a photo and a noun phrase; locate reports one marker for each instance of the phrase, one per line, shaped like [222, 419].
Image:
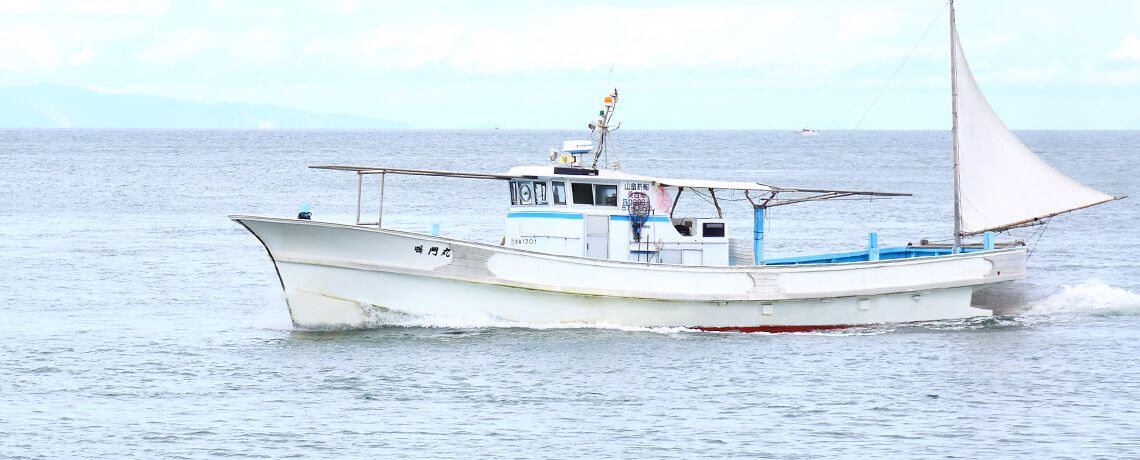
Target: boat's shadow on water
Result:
[388, 332]
[1006, 299]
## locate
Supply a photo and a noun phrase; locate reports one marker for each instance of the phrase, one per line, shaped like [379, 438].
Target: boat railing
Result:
[910, 251]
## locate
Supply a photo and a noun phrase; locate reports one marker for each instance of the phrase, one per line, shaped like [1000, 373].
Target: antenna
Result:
[603, 125]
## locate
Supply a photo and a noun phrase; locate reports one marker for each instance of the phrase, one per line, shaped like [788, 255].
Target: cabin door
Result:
[598, 236]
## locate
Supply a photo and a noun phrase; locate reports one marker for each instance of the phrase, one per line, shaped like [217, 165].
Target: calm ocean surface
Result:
[138, 321]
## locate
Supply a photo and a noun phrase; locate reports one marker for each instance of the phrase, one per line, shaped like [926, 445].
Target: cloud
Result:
[1129, 48]
[992, 40]
[1122, 67]
[869, 24]
[1039, 74]
[362, 55]
[633, 38]
[118, 7]
[1117, 77]
[82, 56]
[42, 39]
[15, 7]
[348, 7]
[176, 46]
[780, 42]
[261, 44]
[28, 48]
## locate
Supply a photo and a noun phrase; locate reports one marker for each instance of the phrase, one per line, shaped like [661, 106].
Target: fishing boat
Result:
[807, 132]
[585, 243]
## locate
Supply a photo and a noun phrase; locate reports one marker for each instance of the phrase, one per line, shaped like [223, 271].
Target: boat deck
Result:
[871, 254]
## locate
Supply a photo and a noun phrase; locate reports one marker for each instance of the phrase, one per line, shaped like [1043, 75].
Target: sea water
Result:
[137, 321]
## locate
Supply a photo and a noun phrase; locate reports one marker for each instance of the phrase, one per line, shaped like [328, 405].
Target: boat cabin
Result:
[607, 214]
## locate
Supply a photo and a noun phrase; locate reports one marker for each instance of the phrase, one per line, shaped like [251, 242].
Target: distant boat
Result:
[588, 244]
[808, 132]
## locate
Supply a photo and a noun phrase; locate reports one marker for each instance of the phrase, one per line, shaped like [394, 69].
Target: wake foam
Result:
[388, 318]
[1090, 297]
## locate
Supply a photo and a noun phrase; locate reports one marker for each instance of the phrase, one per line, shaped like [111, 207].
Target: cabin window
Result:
[605, 195]
[540, 193]
[712, 230]
[514, 193]
[559, 192]
[526, 193]
[582, 193]
[595, 194]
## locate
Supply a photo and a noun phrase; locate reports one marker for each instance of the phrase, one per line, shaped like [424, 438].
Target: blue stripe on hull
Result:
[565, 215]
[544, 215]
[624, 218]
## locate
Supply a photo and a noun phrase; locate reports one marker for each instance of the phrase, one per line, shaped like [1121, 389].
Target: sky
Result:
[777, 64]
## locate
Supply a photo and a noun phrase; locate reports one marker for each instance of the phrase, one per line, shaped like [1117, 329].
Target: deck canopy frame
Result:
[761, 196]
[383, 172]
[768, 196]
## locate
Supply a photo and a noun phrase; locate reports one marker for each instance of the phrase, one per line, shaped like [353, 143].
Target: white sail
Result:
[1001, 183]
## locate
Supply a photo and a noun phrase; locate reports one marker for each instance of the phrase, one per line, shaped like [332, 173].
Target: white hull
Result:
[342, 276]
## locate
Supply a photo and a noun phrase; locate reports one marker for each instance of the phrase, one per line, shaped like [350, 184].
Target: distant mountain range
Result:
[71, 107]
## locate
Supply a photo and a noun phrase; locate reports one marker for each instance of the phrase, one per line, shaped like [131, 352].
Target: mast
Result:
[954, 111]
[603, 126]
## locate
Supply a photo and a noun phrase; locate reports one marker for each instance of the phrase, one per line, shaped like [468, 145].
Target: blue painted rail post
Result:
[758, 235]
[873, 247]
[434, 229]
[988, 240]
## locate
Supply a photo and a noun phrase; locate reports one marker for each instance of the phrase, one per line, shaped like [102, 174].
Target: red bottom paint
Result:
[773, 329]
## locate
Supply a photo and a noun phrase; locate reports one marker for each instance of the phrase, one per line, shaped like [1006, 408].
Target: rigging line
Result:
[731, 195]
[1030, 252]
[694, 190]
[899, 69]
[729, 198]
[1037, 233]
